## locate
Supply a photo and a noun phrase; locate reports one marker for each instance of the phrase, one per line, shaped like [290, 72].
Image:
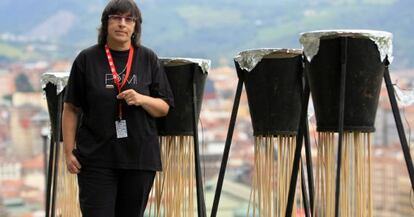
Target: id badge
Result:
[121, 129]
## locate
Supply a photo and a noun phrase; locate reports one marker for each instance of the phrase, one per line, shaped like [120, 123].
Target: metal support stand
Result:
[398, 123]
[302, 127]
[309, 167]
[44, 141]
[227, 147]
[298, 150]
[304, 194]
[49, 177]
[344, 57]
[53, 163]
[397, 117]
[201, 205]
[308, 150]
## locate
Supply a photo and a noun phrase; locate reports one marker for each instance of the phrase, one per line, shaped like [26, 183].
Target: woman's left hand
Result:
[156, 107]
[132, 97]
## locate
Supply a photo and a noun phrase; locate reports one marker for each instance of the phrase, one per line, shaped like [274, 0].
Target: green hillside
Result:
[214, 29]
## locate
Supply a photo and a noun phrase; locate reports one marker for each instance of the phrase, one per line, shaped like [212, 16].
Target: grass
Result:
[11, 52]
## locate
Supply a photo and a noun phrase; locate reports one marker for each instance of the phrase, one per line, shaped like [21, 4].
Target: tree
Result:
[22, 84]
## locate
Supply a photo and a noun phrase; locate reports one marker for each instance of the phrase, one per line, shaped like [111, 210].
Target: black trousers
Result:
[114, 192]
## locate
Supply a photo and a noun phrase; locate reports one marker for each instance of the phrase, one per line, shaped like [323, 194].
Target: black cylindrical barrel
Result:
[182, 75]
[364, 72]
[52, 98]
[273, 90]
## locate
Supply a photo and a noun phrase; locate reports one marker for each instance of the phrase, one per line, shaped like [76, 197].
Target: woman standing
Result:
[115, 91]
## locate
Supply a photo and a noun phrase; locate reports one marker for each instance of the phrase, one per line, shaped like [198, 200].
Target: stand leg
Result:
[309, 165]
[52, 155]
[344, 46]
[400, 127]
[227, 148]
[57, 149]
[201, 205]
[304, 192]
[296, 160]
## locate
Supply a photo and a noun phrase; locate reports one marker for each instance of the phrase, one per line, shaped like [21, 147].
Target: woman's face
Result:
[120, 28]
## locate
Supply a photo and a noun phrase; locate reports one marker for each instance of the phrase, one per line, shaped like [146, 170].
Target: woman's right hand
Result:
[72, 163]
[69, 124]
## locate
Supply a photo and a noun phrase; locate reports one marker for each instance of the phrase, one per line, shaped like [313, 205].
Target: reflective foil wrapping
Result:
[383, 40]
[248, 59]
[404, 97]
[203, 63]
[60, 79]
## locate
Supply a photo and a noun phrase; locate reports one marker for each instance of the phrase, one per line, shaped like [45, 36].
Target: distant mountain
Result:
[214, 29]
[53, 27]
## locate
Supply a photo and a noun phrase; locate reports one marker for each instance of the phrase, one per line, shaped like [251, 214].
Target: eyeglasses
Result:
[119, 18]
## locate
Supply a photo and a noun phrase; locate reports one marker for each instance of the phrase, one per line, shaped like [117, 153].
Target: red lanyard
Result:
[115, 73]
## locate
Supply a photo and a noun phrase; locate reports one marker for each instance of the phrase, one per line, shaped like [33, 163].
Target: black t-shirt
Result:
[91, 88]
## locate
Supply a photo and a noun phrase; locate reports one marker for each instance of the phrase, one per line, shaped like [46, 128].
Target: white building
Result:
[10, 171]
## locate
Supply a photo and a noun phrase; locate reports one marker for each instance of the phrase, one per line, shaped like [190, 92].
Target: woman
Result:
[115, 91]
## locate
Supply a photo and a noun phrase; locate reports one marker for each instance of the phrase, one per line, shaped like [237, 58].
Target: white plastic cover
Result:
[248, 59]
[60, 79]
[203, 63]
[383, 40]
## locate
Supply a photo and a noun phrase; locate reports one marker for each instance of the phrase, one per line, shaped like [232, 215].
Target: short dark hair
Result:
[120, 7]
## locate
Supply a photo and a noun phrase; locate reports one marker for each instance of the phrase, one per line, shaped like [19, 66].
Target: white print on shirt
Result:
[109, 79]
